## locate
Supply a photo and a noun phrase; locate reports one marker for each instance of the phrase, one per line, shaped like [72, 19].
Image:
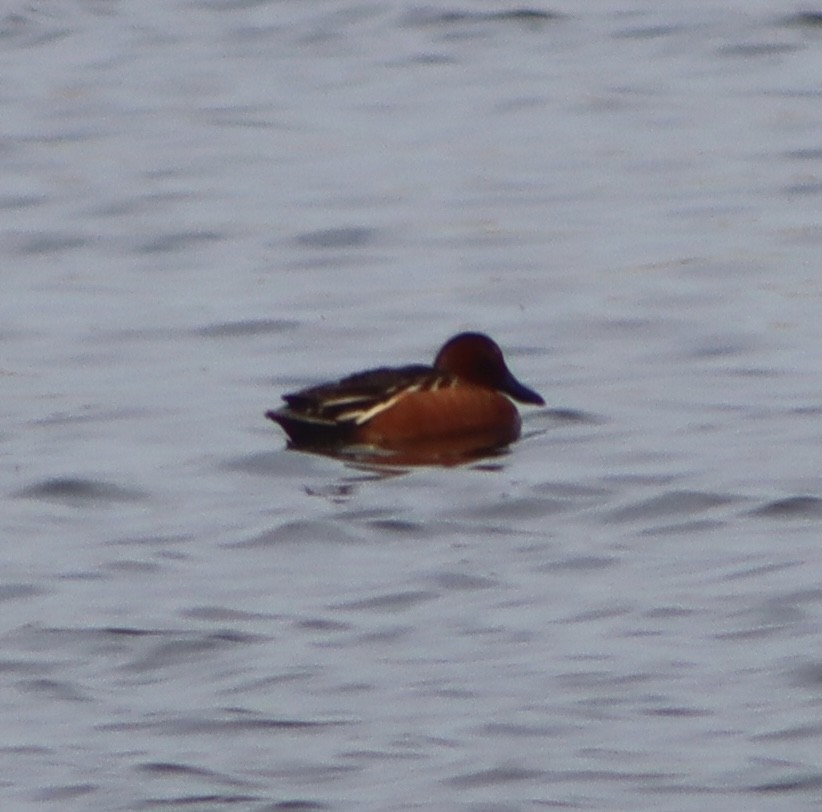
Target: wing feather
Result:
[358, 398]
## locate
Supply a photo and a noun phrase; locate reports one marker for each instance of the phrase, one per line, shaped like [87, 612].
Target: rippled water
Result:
[206, 204]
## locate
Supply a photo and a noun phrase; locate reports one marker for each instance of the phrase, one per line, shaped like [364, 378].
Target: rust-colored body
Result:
[462, 401]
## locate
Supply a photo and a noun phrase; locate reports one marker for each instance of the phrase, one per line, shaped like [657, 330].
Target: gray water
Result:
[206, 204]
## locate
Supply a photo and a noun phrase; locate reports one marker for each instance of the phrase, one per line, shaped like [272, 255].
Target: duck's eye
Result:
[486, 366]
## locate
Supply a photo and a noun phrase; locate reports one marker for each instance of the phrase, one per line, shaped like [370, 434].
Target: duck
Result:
[466, 397]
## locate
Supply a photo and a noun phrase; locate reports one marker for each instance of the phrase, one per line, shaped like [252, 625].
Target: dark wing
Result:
[354, 399]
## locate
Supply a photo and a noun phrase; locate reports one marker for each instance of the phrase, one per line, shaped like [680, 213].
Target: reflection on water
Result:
[446, 452]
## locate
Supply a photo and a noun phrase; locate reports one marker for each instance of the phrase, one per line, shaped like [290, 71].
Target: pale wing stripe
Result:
[308, 417]
[363, 416]
[344, 400]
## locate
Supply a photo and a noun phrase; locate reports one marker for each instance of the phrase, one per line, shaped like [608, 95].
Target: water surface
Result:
[206, 204]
